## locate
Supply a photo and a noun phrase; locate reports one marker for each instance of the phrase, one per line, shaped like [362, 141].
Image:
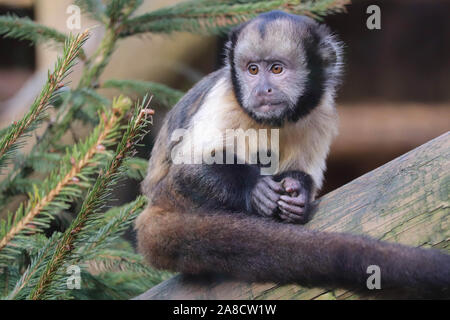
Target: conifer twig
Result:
[95, 8]
[120, 260]
[36, 265]
[118, 10]
[67, 175]
[95, 66]
[15, 27]
[95, 235]
[217, 16]
[95, 197]
[168, 96]
[11, 139]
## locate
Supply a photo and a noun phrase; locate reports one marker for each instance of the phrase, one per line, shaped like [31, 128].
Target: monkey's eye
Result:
[253, 69]
[276, 68]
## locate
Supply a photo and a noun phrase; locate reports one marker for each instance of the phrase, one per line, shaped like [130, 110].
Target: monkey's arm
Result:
[217, 186]
[242, 188]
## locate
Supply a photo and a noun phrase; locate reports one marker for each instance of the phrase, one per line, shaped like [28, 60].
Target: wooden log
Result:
[405, 201]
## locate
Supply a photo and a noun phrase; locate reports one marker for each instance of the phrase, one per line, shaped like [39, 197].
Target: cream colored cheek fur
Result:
[303, 145]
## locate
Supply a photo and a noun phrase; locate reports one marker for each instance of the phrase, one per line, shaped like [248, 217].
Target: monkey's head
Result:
[281, 66]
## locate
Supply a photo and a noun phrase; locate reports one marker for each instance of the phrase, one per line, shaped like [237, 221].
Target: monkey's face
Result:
[270, 87]
[279, 66]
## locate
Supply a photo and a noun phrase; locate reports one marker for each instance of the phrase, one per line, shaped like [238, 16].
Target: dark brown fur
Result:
[258, 249]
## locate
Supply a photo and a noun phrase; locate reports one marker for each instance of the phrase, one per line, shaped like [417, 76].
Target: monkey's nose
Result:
[264, 91]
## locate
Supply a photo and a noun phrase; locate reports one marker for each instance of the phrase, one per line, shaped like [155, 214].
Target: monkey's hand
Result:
[265, 195]
[295, 204]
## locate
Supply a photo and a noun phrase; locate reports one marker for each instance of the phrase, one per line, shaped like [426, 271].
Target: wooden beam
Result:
[405, 201]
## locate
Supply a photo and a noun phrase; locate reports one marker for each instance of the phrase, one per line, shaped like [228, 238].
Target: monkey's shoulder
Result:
[181, 114]
[179, 117]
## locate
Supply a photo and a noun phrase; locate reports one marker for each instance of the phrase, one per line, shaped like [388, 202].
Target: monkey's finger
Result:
[260, 197]
[262, 204]
[286, 215]
[295, 201]
[290, 208]
[266, 192]
[263, 210]
[275, 186]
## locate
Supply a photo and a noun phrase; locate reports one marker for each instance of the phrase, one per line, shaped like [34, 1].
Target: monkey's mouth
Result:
[267, 107]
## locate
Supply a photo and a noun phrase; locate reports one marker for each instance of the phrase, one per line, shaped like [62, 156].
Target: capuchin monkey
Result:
[236, 219]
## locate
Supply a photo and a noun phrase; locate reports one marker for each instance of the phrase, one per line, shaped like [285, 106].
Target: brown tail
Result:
[261, 250]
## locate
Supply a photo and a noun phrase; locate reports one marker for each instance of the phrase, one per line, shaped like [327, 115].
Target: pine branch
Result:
[63, 185]
[118, 10]
[71, 107]
[99, 232]
[25, 29]
[162, 93]
[8, 278]
[44, 161]
[136, 168]
[95, 8]
[118, 285]
[93, 96]
[114, 260]
[95, 66]
[217, 16]
[11, 140]
[94, 200]
[37, 266]
[91, 103]
[92, 71]
[18, 182]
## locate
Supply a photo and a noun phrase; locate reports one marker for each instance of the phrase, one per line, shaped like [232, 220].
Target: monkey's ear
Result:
[232, 40]
[330, 49]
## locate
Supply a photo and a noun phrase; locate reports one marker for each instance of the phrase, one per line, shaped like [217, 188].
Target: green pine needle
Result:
[76, 171]
[15, 27]
[25, 29]
[95, 9]
[121, 9]
[38, 263]
[162, 93]
[136, 168]
[99, 232]
[218, 16]
[94, 200]
[12, 140]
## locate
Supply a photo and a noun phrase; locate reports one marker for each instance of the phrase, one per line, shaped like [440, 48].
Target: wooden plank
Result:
[405, 201]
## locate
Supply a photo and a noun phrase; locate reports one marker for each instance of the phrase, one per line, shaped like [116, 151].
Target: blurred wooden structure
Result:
[405, 201]
[17, 3]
